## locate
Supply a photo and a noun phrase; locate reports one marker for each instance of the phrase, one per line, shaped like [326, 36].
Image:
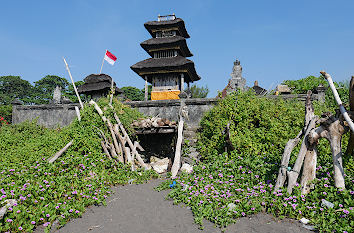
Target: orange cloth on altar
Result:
[165, 95]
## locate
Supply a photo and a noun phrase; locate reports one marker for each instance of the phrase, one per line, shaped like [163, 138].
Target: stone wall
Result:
[53, 115]
[48, 115]
[170, 108]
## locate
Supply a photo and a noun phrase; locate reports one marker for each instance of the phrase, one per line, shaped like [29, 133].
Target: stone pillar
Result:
[321, 95]
[146, 89]
[182, 82]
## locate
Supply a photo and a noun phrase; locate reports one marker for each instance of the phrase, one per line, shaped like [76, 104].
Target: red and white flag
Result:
[110, 58]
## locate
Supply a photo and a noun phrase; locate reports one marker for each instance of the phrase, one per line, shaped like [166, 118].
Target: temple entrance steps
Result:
[190, 153]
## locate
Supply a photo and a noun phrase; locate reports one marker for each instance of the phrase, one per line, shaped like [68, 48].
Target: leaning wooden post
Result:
[177, 160]
[72, 80]
[59, 153]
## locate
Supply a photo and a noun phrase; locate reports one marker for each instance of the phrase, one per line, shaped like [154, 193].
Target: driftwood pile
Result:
[330, 126]
[153, 122]
[122, 148]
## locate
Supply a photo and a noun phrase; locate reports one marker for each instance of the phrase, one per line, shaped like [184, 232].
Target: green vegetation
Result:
[82, 176]
[311, 83]
[6, 112]
[135, 94]
[225, 186]
[13, 87]
[199, 92]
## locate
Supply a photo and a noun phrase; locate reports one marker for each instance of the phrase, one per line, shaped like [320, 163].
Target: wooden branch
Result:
[309, 169]
[59, 153]
[339, 101]
[310, 121]
[333, 130]
[336, 131]
[114, 153]
[122, 142]
[104, 147]
[177, 160]
[109, 124]
[127, 138]
[289, 147]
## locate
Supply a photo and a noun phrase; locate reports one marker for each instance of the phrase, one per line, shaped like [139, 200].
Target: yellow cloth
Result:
[165, 95]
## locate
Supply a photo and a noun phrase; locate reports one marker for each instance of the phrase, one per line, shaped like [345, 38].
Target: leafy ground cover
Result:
[57, 192]
[226, 186]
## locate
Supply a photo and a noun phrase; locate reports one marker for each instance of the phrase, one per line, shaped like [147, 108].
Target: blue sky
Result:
[274, 40]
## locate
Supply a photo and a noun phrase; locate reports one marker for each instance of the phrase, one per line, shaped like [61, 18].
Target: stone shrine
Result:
[168, 69]
[236, 82]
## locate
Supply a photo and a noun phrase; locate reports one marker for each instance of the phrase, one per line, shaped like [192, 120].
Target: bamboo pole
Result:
[59, 153]
[72, 80]
[103, 61]
[339, 101]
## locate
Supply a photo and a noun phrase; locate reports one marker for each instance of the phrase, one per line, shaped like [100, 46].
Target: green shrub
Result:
[6, 112]
[82, 176]
[225, 186]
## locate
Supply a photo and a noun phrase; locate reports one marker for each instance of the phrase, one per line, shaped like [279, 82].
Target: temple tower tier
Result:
[168, 68]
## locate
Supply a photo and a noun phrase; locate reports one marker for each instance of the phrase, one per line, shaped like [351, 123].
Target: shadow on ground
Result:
[139, 208]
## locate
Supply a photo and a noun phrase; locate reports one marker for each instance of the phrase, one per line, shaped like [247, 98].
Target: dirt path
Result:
[139, 208]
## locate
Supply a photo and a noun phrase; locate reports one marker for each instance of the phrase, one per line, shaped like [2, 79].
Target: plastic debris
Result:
[304, 220]
[131, 181]
[187, 168]
[308, 227]
[328, 204]
[173, 184]
[231, 206]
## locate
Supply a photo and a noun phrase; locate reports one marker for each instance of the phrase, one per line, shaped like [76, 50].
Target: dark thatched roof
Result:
[95, 78]
[166, 43]
[177, 64]
[97, 83]
[152, 26]
[259, 90]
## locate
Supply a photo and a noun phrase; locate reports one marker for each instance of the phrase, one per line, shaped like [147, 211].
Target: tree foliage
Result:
[199, 92]
[44, 88]
[133, 93]
[12, 87]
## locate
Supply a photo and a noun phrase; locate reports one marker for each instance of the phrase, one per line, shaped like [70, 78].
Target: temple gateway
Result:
[168, 69]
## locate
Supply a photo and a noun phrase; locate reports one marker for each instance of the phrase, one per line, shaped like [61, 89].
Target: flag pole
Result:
[77, 94]
[103, 61]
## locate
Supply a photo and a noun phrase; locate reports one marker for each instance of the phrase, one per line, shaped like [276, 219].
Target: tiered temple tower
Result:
[168, 69]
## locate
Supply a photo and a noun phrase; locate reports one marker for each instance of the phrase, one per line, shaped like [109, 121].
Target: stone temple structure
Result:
[168, 69]
[236, 82]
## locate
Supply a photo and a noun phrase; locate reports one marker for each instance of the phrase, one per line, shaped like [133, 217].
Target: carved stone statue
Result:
[57, 95]
[237, 81]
